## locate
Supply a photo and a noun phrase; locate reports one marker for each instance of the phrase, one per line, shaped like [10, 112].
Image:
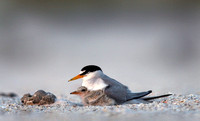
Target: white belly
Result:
[96, 84]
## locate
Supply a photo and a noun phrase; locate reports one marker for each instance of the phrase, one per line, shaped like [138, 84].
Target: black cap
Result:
[90, 68]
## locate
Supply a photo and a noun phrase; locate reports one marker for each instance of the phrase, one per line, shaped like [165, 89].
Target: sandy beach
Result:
[145, 45]
[175, 107]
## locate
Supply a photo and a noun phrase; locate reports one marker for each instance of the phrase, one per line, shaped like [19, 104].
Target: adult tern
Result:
[94, 79]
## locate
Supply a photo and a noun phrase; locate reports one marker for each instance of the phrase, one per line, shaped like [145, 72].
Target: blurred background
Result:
[143, 44]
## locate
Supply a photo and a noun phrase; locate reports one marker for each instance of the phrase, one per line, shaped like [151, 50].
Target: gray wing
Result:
[137, 95]
[119, 92]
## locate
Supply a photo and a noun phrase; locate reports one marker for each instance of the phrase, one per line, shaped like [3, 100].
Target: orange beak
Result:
[75, 93]
[76, 77]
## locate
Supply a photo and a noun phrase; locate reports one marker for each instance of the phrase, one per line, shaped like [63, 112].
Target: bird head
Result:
[88, 72]
[81, 91]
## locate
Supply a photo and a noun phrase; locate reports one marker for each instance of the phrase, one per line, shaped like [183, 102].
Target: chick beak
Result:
[75, 93]
[76, 77]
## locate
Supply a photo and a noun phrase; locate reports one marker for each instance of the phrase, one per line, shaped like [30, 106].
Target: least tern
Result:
[93, 97]
[94, 79]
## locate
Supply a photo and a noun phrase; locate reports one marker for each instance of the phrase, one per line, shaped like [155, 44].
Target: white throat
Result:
[93, 81]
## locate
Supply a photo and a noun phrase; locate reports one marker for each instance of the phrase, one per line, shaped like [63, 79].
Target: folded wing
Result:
[119, 92]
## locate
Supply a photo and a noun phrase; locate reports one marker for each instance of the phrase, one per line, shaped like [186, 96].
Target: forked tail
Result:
[155, 97]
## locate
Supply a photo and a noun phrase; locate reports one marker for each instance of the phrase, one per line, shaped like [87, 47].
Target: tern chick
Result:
[93, 97]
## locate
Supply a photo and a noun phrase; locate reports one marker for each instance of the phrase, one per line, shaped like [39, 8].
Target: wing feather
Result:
[119, 92]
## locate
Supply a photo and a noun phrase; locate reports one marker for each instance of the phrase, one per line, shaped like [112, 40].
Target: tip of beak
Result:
[76, 77]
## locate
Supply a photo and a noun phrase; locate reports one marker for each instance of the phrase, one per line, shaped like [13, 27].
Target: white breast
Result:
[96, 84]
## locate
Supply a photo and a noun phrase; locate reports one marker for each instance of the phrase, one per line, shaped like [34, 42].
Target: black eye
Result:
[83, 90]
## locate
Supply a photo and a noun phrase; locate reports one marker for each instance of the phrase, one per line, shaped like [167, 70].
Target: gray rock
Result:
[40, 97]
